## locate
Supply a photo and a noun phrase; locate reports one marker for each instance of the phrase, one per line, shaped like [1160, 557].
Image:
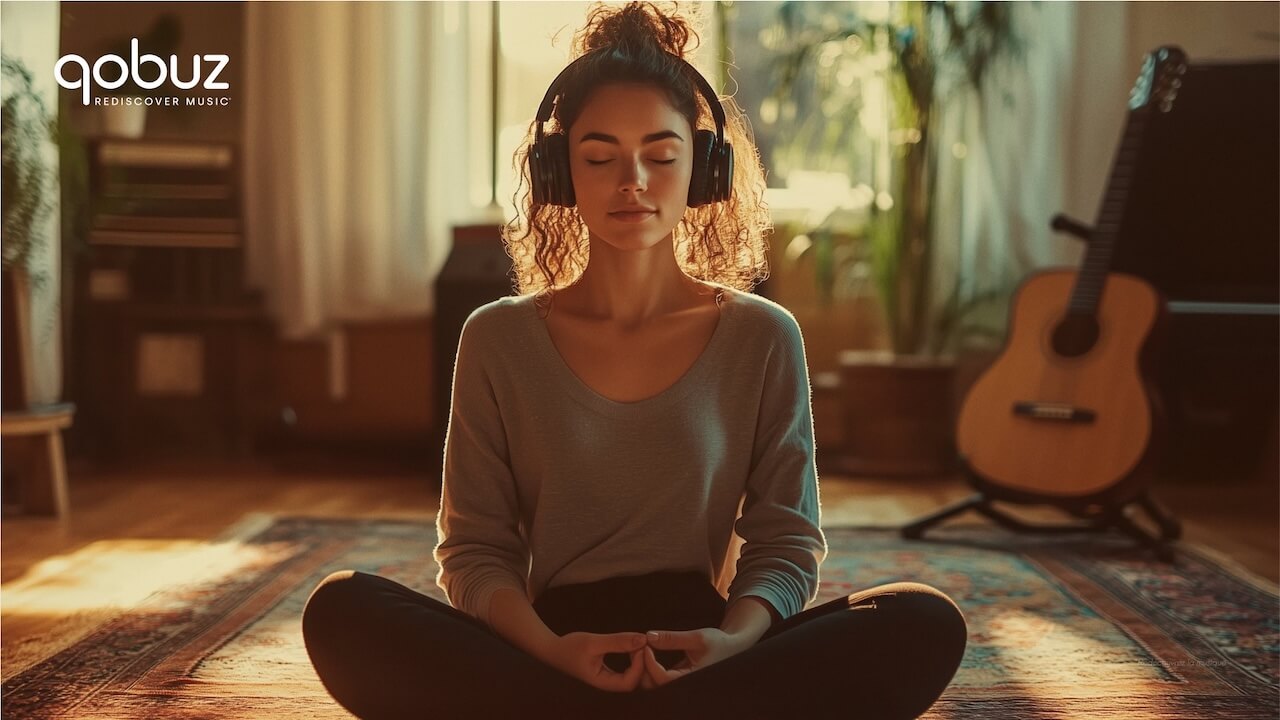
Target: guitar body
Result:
[1066, 412]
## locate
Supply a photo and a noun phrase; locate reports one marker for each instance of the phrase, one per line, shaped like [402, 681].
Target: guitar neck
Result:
[1152, 96]
[1092, 276]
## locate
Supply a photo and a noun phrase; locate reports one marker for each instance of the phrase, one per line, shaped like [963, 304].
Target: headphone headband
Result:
[717, 111]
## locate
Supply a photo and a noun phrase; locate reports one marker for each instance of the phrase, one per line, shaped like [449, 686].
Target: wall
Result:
[1112, 39]
[1204, 30]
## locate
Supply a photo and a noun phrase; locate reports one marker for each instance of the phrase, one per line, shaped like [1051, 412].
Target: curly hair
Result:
[722, 242]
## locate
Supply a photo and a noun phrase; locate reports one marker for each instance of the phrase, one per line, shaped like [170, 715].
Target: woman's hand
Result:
[701, 648]
[581, 655]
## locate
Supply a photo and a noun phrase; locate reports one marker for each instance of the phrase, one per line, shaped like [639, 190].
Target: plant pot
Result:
[125, 121]
[898, 414]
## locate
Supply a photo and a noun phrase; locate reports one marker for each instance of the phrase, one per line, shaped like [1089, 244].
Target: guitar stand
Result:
[1097, 517]
[1102, 520]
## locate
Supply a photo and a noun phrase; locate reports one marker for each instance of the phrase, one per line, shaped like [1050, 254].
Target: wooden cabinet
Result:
[172, 350]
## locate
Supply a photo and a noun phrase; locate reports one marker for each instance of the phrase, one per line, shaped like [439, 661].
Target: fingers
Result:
[608, 679]
[675, 640]
[605, 677]
[657, 674]
[631, 678]
[646, 680]
[645, 671]
[624, 642]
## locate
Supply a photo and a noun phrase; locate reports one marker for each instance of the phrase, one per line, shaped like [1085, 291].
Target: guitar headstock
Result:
[1161, 76]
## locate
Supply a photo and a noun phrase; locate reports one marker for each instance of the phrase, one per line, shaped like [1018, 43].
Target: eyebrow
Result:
[651, 137]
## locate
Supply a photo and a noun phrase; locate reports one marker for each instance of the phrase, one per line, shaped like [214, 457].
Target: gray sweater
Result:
[548, 483]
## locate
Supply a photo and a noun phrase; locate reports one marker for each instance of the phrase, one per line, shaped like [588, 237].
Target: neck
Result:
[632, 287]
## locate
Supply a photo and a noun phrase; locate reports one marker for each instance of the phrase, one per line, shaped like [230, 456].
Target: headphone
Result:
[712, 176]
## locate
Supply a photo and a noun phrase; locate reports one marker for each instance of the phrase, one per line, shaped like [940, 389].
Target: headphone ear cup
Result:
[724, 173]
[699, 180]
[558, 160]
[537, 181]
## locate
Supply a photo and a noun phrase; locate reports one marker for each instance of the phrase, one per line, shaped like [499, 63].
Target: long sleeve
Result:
[480, 548]
[783, 544]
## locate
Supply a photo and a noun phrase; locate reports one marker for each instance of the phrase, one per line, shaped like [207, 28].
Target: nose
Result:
[634, 179]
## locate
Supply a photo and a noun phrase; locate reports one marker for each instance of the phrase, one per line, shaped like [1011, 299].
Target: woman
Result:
[608, 436]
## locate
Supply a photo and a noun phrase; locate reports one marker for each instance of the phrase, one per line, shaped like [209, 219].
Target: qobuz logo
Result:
[128, 69]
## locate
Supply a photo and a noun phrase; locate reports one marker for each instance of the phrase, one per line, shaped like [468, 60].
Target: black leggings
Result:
[383, 650]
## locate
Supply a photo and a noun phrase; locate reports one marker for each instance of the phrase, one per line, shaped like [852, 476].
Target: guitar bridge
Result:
[1059, 412]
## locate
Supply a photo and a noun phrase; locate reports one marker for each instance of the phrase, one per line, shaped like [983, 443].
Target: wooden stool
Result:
[43, 480]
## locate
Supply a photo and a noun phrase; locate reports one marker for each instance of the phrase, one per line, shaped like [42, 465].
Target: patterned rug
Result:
[1060, 627]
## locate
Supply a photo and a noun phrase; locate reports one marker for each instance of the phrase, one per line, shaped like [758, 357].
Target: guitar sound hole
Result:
[1075, 336]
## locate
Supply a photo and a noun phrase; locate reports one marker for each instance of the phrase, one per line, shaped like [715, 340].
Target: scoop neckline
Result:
[675, 392]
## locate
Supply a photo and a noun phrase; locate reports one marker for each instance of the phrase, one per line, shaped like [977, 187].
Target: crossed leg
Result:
[884, 652]
[383, 650]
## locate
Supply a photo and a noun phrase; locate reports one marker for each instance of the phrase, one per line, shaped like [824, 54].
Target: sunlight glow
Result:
[797, 247]
[112, 573]
[528, 29]
[1028, 640]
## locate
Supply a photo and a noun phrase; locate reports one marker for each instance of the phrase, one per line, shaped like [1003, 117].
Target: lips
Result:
[637, 215]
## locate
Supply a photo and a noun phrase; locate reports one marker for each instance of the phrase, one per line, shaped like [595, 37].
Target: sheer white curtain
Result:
[362, 143]
[1008, 156]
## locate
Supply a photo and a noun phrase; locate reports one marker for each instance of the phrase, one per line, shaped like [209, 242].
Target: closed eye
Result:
[602, 162]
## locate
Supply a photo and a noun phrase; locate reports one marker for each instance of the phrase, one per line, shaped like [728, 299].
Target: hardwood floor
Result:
[172, 501]
[128, 521]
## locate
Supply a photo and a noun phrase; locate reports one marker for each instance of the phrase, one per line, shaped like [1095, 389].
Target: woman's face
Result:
[630, 148]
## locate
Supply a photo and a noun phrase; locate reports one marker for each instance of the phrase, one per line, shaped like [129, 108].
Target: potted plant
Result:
[128, 119]
[27, 189]
[880, 73]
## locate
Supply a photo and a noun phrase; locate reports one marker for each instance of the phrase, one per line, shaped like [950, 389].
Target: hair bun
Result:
[636, 27]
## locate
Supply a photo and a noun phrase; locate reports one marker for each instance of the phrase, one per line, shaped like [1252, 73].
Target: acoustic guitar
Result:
[1068, 408]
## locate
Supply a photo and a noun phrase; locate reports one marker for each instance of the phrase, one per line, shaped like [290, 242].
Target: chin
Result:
[633, 238]
[634, 241]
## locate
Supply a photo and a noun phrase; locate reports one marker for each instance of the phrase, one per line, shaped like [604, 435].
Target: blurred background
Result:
[248, 294]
